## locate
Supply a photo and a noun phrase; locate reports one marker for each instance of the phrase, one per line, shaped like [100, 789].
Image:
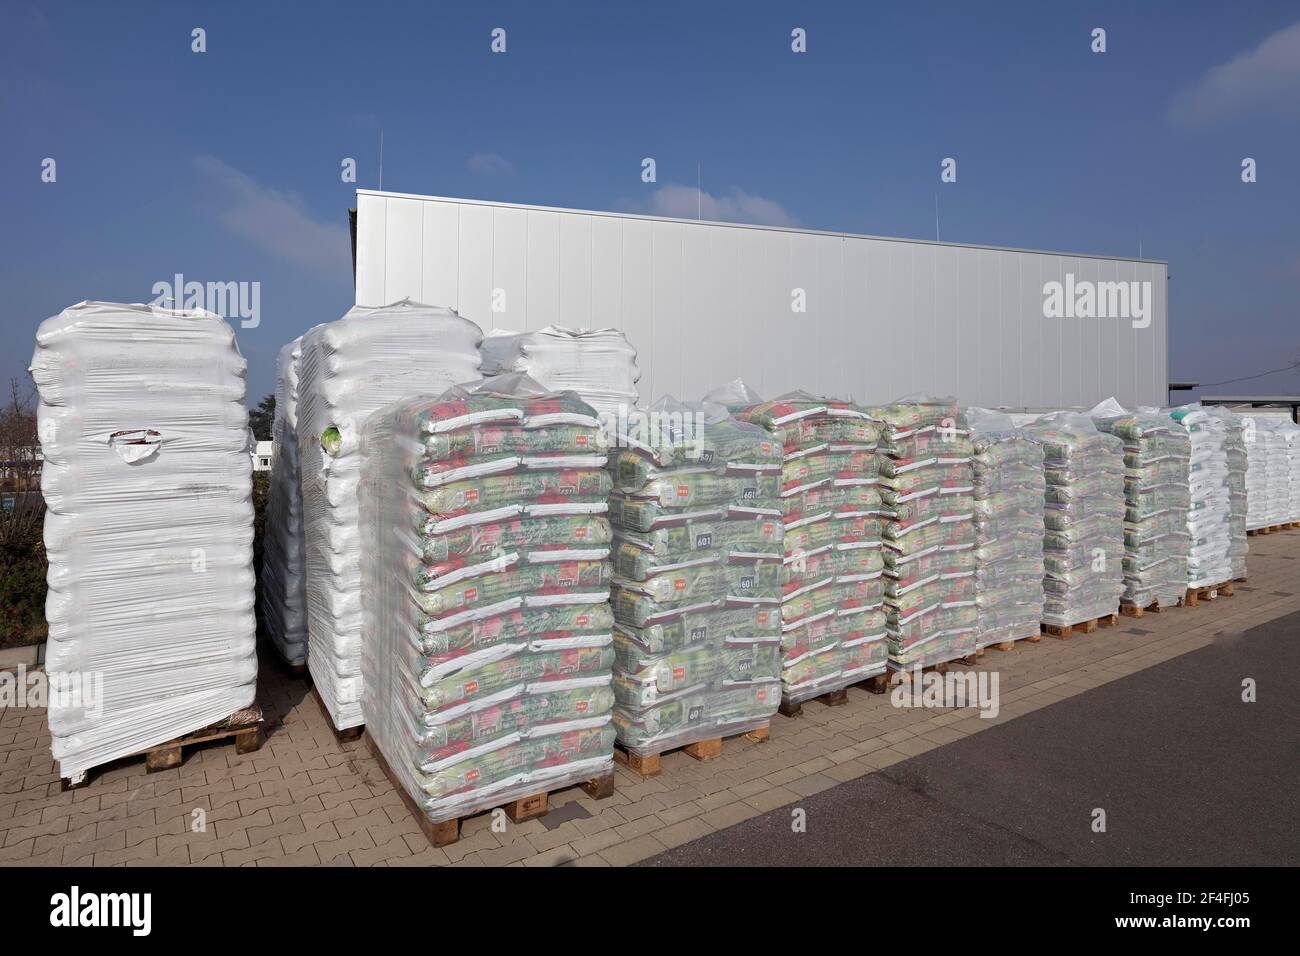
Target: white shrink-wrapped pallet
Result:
[488, 642]
[284, 595]
[697, 585]
[349, 369]
[149, 529]
[598, 364]
[1257, 483]
[1209, 518]
[1083, 544]
[1157, 496]
[1009, 501]
[1291, 433]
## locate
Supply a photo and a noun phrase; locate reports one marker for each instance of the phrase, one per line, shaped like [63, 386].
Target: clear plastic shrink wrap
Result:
[1234, 447]
[349, 368]
[284, 594]
[1083, 545]
[832, 578]
[149, 529]
[1009, 500]
[927, 485]
[1209, 517]
[697, 586]
[598, 364]
[487, 636]
[1157, 457]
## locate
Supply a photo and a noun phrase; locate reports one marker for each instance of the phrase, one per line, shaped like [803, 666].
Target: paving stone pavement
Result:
[306, 800]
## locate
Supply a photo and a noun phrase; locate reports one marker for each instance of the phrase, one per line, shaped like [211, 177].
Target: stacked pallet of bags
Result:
[149, 529]
[1083, 544]
[832, 611]
[1234, 448]
[349, 369]
[598, 364]
[1287, 442]
[697, 587]
[1210, 512]
[927, 485]
[1157, 456]
[283, 598]
[1257, 485]
[488, 641]
[1009, 489]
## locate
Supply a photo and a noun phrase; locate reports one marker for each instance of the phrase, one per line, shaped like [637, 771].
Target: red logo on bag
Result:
[582, 439]
[471, 687]
[471, 496]
[580, 533]
[762, 617]
[471, 776]
[471, 594]
[679, 584]
[679, 673]
[683, 491]
[582, 620]
[767, 527]
[762, 696]
[582, 706]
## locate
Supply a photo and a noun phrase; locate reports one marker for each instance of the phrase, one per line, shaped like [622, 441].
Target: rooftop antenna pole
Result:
[381, 159]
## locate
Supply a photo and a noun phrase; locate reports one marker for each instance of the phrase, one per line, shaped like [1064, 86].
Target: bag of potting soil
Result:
[697, 490]
[911, 414]
[561, 659]
[555, 578]
[488, 441]
[518, 533]
[637, 565]
[463, 408]
[640, 682]
[841, 499]
[710, 626]
[581, 485]
[807, 471]
[833, 561]
[476, 777]
[480, 726]
[697, 713]
[744, 536]
[440, 643]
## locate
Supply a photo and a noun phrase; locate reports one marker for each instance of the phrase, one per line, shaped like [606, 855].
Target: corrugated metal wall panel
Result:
[707, 302]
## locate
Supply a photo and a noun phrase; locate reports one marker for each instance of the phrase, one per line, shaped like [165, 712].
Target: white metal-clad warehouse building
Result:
[706, 302]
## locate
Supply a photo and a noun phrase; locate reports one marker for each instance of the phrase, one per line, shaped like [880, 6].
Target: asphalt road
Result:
[1186, 772]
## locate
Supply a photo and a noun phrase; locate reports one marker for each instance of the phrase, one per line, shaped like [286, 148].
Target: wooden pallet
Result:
[1129, 609]
[650, 765]
[243, 725]
[832, 698]
[446, 832]
[1067, 631]
[905, 676]
[1195, 596]
[875, 684]
[344, 736]
[1273, 528]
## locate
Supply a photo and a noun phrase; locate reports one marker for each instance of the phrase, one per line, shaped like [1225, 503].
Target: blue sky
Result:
[225, 165]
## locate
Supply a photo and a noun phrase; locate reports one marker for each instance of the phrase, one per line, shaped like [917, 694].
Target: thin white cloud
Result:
[277, 222]
[1265, 78]
[682, 202]
[489, 164]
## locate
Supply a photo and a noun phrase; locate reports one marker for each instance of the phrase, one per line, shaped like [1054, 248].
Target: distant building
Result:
[262, 456]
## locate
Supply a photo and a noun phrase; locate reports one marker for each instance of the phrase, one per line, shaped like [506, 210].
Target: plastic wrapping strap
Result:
[470, 661]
